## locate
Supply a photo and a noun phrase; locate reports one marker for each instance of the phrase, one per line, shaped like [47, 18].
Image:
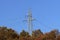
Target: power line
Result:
[42, 24]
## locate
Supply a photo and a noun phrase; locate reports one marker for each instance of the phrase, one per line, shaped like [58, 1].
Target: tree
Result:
[36, 33]
[51, 35]
[24, 35]
[6, 34]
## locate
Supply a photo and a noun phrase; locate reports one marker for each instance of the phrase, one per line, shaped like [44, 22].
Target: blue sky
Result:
[46, 13]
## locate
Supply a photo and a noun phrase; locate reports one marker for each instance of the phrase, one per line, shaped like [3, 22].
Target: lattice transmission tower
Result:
[29, 21]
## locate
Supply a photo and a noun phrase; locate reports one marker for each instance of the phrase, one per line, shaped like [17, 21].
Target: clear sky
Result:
[46, 13]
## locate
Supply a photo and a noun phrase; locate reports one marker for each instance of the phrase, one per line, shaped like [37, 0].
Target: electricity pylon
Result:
[30, 21]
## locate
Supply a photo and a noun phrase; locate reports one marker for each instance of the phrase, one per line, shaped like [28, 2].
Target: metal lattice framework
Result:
[29, 21]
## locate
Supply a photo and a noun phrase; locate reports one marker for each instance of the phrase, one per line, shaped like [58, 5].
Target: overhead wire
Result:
[43, 25]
